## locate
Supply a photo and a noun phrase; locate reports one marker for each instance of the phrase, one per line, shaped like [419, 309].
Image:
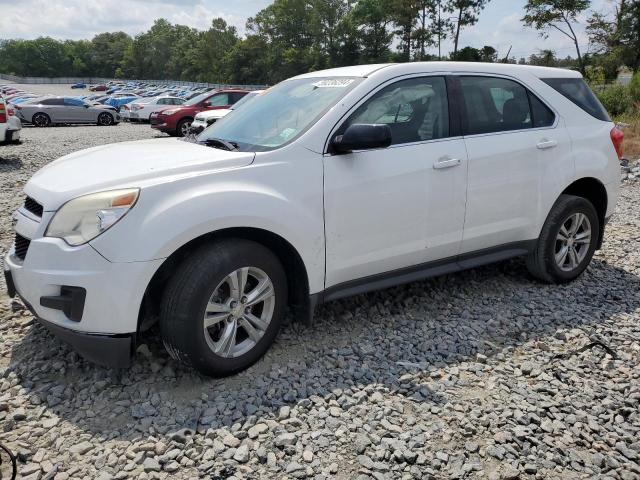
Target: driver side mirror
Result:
[362, 136]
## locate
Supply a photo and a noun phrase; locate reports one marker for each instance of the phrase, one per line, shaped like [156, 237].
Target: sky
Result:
[499, 24]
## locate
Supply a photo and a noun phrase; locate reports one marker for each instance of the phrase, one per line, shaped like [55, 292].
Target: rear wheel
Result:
[41, 120]
[105, 119]
[567, 242]
[183, 127]
[223, 307]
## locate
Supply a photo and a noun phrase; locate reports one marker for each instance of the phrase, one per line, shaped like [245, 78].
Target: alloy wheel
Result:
[239, 312]
[573, 242]
[40, 120]
[185, 128]
[105, 119]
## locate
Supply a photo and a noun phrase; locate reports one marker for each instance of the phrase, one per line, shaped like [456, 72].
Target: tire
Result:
[105, 119]
[203, 277]
[546, 262]
[182, 128]
[41, 120]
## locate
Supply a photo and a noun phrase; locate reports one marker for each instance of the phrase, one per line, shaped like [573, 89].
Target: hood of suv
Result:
[125, 165]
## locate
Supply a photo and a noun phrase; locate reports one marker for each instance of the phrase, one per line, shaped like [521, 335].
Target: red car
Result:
[98, 88]
[177, 121]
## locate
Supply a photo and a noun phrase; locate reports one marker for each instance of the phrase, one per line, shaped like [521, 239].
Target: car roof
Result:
[454, 67]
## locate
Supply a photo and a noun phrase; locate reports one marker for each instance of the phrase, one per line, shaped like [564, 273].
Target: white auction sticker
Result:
[334, 83]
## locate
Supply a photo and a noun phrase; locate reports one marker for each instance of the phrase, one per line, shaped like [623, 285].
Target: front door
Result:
[387, 209]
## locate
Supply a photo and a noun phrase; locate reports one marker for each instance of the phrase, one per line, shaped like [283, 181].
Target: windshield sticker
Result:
[334, 83]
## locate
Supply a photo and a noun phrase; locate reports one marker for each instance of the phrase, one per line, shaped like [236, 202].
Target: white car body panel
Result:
[370, 214]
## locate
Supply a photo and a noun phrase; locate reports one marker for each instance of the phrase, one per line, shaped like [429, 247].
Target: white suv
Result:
[330, 184]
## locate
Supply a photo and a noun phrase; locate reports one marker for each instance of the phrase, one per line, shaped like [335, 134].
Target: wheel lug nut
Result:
[233, 304]
[247, 310]
[244, 300]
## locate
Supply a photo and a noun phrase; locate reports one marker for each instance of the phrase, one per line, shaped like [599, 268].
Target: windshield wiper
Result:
[220, 143]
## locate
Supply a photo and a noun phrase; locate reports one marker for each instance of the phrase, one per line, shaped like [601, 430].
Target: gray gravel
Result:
[483, 374]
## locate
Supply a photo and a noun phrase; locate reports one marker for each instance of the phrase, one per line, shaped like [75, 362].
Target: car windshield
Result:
[196, 100]
[280, 115]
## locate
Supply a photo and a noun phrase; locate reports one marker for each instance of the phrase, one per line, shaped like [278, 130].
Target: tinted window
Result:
[576, 90]
[52, 101]
[494, 105]
[542, 115]
[165, 101]
[220, 100]
[416, 110]
[73, 102]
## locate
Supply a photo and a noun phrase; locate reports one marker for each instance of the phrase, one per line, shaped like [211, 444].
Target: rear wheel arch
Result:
[595, 192]
[296, 271]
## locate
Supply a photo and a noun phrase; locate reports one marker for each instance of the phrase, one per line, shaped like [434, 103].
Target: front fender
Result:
[168, 217]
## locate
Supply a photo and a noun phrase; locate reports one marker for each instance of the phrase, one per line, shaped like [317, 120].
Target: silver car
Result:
[44, 112]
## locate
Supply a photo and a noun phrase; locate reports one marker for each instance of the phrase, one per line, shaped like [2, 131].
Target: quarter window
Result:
[416, 110]
[219, 100]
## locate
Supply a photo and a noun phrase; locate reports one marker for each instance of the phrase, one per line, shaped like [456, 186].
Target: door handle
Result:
[546, 144]
[446, 162]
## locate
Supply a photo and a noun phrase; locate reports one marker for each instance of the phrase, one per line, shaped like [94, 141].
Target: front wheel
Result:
[567, 242]
[222, 309]
[105, 119]
[183, 127]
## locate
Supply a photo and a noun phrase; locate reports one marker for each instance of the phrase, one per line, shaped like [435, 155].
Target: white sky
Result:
[499, 25]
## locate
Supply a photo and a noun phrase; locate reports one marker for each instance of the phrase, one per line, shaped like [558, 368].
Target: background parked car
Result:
[10, 125]
[209, 117]
[142, 109]
[177, 121]
[55, 110]
[79, 85]
[98, 88]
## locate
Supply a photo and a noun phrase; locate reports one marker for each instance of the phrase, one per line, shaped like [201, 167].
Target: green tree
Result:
[107, 52]
[373, 18]
[560, 15]
[467, 13]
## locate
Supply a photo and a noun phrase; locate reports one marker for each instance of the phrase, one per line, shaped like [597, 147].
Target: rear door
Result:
[73, 111]
[389, 209]
[515, 142]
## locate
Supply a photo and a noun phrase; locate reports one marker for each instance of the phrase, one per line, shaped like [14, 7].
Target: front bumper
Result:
[77, 293]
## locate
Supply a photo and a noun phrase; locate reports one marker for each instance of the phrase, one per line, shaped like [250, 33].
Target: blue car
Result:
[79, 85]
[119, 101]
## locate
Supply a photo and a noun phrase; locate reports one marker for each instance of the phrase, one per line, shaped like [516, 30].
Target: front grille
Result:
[30, 205]
[21, 246]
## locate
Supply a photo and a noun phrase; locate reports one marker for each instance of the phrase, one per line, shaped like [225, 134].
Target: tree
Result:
[467, 13]
[560, 15]
[372, 18]
[545, 58]
[467, 54]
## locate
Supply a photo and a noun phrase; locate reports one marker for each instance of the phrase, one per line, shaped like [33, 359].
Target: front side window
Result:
[416, 110]
[281, 114]
[52, 101]
[495, 105]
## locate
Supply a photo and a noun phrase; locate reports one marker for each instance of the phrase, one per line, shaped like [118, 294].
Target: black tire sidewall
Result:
[104, 115]
[185, 325]
[571, 207]
[179, 126]
[42, 115]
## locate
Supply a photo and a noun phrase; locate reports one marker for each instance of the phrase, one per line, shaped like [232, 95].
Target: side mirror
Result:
[362, 137]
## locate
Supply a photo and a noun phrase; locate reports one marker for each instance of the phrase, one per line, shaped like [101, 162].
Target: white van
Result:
[330, 184]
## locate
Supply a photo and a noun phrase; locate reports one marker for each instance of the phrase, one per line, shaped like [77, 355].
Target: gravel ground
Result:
[482, 374]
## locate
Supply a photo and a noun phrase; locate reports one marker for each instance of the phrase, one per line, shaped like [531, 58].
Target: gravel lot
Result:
[483, 374]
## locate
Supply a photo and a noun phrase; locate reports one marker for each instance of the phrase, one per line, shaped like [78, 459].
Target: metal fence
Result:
[95, 80]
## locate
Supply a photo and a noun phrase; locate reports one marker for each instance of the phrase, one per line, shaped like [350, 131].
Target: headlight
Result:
[169, 112]
[84, 218]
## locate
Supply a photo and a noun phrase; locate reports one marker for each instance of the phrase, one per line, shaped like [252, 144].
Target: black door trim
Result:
[423, 271]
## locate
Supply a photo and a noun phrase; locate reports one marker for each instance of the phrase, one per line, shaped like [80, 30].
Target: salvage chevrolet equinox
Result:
[329, 184]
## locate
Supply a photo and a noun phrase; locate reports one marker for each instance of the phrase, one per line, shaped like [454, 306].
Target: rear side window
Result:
[542, 115]
[576, 90]
[495, 105]
[73, 102]
[52, 101]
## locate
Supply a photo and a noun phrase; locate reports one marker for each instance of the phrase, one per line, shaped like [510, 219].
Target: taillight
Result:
[3, 114]
[10, 112]
[617, 137]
